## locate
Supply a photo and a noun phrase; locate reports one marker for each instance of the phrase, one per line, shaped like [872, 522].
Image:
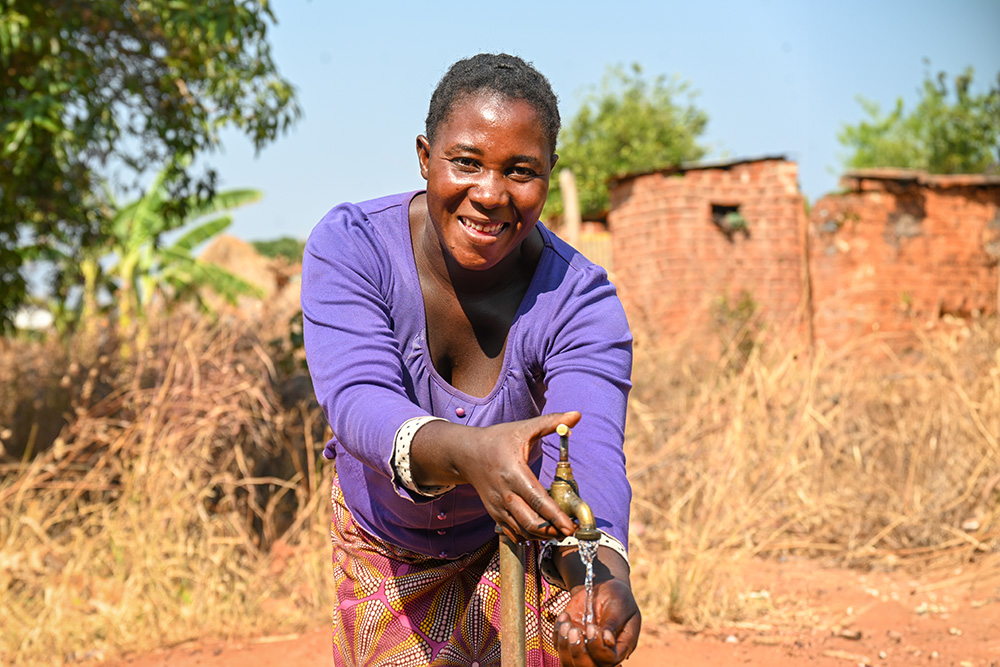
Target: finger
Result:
[571, 645]
[546, 424]
[529, 522]
[597, 650]
[628, 638]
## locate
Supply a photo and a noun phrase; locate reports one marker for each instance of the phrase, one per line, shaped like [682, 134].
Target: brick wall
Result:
[895, 251]
[898, 250]
[674, 263]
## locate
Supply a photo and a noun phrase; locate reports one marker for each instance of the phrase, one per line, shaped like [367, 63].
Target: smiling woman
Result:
[485, 189]
[448, 334]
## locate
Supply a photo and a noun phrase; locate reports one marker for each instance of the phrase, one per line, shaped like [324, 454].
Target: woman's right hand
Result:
[494, 460]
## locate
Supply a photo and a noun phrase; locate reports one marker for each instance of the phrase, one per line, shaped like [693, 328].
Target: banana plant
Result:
[145, 267]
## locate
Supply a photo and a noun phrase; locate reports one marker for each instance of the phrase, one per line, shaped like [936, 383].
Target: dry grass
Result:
[154, 517]
[185, 495]
[866, 457]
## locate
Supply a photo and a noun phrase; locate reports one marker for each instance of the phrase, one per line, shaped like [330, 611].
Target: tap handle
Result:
[563, 432]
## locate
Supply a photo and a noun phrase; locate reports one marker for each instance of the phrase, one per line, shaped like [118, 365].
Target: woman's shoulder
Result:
[382, 210]
[376, 222]
[369, 237]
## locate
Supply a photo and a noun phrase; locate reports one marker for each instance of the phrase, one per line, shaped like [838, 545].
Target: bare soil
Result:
[810, 614]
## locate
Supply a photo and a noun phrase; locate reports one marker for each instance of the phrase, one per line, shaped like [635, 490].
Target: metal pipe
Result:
[564, 490]
[513, 651]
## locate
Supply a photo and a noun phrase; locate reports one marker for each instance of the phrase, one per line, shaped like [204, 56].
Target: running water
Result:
[588, 550]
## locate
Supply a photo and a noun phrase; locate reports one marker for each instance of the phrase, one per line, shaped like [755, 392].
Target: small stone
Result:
[731, 639]
[955, 631]
[882, 655]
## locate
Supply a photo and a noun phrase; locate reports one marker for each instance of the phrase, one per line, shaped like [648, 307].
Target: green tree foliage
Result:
[627, 124]
[116, 86]
[286, 247]
[145, 266]
[951, 131]
[142, 265]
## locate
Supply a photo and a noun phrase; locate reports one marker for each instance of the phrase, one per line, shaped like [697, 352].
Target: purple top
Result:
[569, 348]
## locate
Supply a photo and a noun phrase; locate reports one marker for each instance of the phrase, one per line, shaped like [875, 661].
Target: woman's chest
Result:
[467, 338]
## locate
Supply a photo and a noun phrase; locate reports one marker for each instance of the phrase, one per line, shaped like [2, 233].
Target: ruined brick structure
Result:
[896, 250]
[694, 244]
[899, 249]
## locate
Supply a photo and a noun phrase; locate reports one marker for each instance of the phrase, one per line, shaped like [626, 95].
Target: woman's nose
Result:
[490, 190]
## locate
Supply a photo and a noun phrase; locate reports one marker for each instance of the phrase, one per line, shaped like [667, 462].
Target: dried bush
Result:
[185, 495]
[151, 518]
[874, 463]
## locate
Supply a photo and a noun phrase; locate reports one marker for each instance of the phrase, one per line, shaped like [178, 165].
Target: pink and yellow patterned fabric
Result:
[395, 607]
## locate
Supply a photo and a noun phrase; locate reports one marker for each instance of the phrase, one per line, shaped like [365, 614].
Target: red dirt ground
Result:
[818, 616]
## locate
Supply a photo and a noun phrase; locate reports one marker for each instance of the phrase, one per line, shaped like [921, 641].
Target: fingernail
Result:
[609, 638]
[574, 636]
[591, 632]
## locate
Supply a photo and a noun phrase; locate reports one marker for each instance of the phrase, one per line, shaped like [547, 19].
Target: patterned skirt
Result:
[394, 607]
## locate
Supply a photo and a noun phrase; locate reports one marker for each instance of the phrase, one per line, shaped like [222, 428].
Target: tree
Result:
[115, 86]
[952, 130]
[628, 124]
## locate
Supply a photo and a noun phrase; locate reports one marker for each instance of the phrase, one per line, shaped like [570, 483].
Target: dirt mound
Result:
[242, 259]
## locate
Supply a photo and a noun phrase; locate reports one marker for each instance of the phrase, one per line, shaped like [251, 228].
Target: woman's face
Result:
[487, 177]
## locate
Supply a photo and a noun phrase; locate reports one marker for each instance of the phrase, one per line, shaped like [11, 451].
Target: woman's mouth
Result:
[489, 228]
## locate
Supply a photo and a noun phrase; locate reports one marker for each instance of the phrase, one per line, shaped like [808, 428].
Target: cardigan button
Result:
[442, 516]
[460, 412]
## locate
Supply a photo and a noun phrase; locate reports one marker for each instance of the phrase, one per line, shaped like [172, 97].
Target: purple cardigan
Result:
[569, 348]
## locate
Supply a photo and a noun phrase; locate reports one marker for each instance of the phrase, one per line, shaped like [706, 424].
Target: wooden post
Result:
[572, 220]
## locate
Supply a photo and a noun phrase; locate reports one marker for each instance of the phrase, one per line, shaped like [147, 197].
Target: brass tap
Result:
[565, 491]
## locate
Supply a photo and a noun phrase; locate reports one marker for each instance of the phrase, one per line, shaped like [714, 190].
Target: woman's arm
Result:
[354, 357]
[494, 460]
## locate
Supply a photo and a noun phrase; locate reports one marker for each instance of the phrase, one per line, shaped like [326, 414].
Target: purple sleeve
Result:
[588, 368]
[354, 358]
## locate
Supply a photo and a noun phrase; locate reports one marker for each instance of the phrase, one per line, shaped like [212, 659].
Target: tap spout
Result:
[566, 493]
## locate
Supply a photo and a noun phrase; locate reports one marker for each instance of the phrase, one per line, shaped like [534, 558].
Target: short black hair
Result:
[500, 73]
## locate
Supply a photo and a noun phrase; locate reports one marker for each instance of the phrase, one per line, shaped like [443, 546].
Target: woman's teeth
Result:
[485, 229]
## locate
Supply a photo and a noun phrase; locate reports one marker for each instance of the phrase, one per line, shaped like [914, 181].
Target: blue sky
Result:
[775, 77]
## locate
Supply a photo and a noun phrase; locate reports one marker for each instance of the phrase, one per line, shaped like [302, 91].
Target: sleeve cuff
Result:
[400, 461]
[547, 567]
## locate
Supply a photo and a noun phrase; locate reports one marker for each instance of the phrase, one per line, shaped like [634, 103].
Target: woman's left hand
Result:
[613, 634]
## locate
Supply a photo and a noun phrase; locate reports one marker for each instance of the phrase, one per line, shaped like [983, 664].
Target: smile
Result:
[488, 228]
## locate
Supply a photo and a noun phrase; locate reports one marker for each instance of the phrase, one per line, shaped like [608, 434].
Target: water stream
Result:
[588, 550]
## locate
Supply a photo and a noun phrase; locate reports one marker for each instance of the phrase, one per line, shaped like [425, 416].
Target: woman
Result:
[439, 326]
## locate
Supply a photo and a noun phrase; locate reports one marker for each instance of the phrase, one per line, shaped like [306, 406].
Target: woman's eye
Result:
[523, 172]
[465, 162]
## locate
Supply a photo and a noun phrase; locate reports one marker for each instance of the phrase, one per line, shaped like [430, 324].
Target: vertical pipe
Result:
[512, 640]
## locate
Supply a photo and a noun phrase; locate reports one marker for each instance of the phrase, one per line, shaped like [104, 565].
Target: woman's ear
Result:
[423, 154]
[555, 158]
